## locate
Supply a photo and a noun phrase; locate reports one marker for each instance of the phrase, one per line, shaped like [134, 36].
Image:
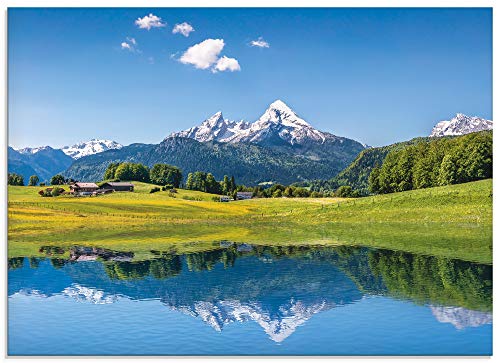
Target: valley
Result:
[453, 221]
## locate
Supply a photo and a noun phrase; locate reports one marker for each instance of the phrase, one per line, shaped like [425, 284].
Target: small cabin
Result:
[118, 186]
[244, 195]
[83, 188]
[224, 198]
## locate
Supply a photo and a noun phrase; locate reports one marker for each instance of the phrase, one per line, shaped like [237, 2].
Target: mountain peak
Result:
[33, 150]
[215, 119]
[279, 112]
[90, 147]
[461, 124]
[280, 105]
[278, 124]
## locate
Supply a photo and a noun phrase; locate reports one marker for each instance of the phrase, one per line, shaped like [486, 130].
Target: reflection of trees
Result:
[159, 268]
[58, 262]
[127, 270]
[35, 261]
[163, 268]
[203, 261]
[434, 279]
[15, 262]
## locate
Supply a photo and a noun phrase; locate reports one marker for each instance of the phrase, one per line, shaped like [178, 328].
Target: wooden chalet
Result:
[83, 188]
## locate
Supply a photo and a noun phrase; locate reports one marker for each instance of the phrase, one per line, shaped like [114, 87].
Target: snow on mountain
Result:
[277, 326]
[91, 147]
[33, 150]
[88, 294]
[215, 128]
[279, 122]
[460, 125]
[461, 318]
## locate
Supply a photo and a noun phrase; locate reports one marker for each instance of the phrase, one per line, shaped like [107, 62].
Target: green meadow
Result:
[452, 221]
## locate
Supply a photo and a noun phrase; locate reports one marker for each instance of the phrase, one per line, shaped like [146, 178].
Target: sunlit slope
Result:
[452, 221]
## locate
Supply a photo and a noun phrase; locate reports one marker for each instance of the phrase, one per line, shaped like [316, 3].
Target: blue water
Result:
[250, 301]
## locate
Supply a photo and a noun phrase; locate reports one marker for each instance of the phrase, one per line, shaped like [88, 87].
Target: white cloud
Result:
[183, 28]
[150, 21]
[261, 43]
[125, 45]
[226, 64]
[204, 54]
[131, 45]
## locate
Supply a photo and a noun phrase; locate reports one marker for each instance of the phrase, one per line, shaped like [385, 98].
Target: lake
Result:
[242, 299]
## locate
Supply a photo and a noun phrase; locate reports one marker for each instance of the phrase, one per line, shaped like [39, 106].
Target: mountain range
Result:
[460, 125]
[45, 161]
[278, 147]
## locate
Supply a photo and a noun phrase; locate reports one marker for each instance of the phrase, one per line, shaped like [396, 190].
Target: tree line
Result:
[161, 174]
[438, 162]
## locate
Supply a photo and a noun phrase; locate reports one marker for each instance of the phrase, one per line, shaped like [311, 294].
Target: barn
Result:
[118, 186]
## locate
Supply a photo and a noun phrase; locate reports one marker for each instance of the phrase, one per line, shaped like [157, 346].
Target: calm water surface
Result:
[243, 299]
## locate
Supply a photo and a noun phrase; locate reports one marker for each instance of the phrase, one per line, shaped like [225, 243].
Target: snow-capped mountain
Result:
[460, 125]
[215, 128]
[91, 147]
[278, 326]
[461, 318]
[33, 150]
[279, 123]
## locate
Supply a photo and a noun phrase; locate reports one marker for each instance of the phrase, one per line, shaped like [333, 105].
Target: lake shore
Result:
[453, 221]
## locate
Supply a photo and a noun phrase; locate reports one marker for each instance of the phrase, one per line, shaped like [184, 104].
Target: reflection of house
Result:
[244, 195]
[83, 188]
[118, 186]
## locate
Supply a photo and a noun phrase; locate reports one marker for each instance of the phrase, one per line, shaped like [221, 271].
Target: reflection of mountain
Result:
[279, 288]
[461, 318]
[278, 325]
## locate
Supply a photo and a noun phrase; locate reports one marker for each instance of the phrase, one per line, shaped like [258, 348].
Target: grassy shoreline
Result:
[453, 221]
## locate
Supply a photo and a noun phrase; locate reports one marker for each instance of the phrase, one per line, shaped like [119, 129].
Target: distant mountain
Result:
[278, 125]
[461, 318]
[460, 125]
[44, 162]
[279, 147]
[249, 163]
[91, 147]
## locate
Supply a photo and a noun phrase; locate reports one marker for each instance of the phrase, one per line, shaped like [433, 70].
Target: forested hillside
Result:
[434, 163]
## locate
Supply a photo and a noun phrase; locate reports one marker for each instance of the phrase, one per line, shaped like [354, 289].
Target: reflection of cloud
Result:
[277, 326]
[461, 318]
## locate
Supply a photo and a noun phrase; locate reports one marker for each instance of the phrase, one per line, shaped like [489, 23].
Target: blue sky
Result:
[375, 75]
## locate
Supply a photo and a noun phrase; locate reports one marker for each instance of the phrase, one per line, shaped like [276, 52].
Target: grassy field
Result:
[452, 221]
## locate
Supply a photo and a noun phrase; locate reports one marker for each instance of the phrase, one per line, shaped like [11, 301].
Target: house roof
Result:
[119, 184]
[86, 185]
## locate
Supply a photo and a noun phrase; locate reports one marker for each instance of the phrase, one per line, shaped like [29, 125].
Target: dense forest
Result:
[415, 164]
[440, 161]
[356, 174]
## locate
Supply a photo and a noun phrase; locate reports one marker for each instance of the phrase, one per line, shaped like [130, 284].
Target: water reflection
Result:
[278, 287]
